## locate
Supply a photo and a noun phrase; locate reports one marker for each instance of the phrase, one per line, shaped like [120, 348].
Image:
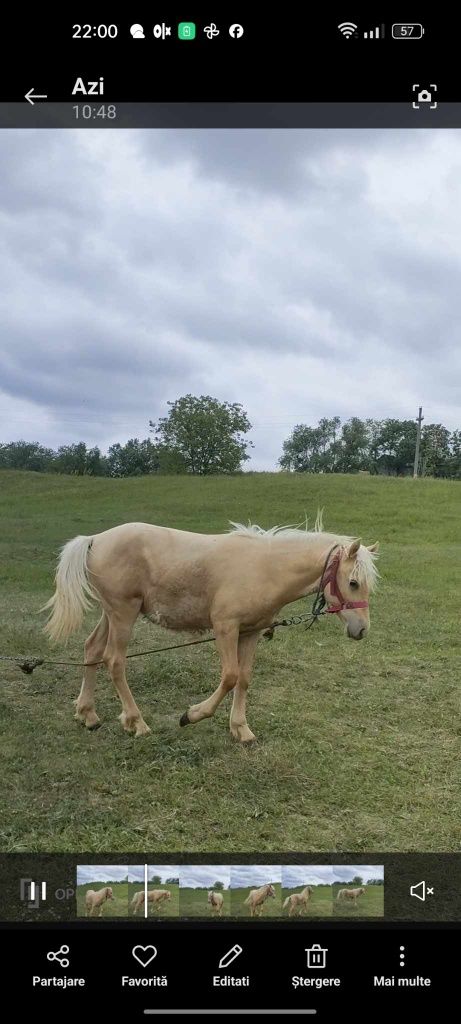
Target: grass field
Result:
[272, 906]
[193, 903]
[320, 903]
[167, 908]
[117, 907]
[370, 904]
[359, 743]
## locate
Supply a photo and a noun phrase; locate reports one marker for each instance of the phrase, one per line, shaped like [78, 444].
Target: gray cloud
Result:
[345, 873]
[301, 273]
[244, 875]
[101, 873]
[198, 876]
[310, 874]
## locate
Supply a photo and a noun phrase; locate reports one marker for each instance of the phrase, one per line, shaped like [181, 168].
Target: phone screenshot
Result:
[230, 493]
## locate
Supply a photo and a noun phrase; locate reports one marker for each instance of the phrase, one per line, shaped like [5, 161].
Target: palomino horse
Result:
[257, 899]
[216, 900]
[298, 901]
[95, 900]
[154, 896]
[234, 584]
[350, 894]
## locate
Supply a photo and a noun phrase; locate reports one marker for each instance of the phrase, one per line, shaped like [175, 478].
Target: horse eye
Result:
[353, 584]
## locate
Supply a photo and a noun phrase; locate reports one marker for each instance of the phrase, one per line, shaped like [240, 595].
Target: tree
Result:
[354, 446]
[135, 458]
[455, 454]
[77, 459]
[172, 881]
[218, 886]
[207, 435]
[435, 450]
[26, 455]
[156, 880]
[311, 449]
[393, 448]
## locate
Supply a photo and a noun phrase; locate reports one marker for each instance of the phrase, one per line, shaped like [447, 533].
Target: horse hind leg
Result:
[120, 627]
[94, 649]
[238, 724]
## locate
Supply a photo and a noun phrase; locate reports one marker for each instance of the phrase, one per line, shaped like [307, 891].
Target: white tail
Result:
[70, 600]
[286, 903]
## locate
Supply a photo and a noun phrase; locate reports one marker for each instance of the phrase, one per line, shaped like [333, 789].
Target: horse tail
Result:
[71, 597]
[248, 899]
[286, 903]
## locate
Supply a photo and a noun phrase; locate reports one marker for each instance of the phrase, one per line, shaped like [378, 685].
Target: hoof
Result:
[185, 720]
[249, 743]
[94, 726]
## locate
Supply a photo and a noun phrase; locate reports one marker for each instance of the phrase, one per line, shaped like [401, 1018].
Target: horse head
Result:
[347, 582]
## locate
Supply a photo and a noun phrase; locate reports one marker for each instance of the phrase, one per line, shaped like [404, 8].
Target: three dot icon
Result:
[402, 956]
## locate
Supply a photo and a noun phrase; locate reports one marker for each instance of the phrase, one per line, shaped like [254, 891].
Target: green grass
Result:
[370, 904]
[320, 903]
[359, 743]
[117, 907]
[193, 903]
[272, 906]
[168, 908]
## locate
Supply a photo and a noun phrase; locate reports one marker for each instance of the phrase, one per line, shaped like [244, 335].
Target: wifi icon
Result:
[348, 29]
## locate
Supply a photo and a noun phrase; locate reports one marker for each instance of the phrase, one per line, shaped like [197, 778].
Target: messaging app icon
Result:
[186, 30]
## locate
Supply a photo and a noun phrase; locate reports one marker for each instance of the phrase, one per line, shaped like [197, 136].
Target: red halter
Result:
[331, 576]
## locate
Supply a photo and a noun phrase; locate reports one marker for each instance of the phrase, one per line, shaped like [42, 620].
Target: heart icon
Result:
[144, 954]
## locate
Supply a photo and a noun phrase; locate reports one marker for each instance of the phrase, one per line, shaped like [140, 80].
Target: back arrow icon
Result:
[30, 97]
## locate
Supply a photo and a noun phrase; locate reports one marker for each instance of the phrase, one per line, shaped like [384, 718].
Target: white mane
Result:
[364, 571]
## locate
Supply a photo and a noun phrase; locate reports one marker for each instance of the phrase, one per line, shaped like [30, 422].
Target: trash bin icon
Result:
[316, 956]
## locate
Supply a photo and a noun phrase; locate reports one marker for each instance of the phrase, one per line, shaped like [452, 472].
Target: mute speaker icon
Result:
[421, 890]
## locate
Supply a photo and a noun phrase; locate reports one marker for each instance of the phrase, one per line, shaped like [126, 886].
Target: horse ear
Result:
[374, 548]
[353, 548]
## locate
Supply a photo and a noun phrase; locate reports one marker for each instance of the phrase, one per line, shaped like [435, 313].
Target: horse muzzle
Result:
[357, 634]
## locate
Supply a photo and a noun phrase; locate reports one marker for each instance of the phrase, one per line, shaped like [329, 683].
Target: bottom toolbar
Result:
[236, 970]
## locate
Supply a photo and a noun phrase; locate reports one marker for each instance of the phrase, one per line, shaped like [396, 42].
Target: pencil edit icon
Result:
[230, 956]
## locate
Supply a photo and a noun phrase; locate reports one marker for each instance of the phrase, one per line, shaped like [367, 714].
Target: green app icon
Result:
[186, 30]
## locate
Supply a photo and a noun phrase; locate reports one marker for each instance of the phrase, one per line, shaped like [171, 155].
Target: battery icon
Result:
[411, 30]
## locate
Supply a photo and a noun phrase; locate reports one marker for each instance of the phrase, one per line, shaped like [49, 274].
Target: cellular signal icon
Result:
[348, 29]
[375, 33]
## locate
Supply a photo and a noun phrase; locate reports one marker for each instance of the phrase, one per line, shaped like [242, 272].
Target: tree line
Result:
[373, 446]
[202, 436]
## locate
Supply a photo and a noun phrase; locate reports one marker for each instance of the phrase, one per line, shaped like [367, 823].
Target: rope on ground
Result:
[28, 665]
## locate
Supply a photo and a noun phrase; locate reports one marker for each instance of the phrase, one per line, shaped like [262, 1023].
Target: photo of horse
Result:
[307, 891]
[256, 891]
[162, 891]
[102, 891]
[230, 454]
[358, 890]
[204, 891]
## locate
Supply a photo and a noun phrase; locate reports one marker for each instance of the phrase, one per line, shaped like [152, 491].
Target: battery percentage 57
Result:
[408, 31]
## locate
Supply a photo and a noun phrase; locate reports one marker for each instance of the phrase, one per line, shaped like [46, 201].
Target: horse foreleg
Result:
[94, 650]
[238, 724]
[120, 626]
[227, 644]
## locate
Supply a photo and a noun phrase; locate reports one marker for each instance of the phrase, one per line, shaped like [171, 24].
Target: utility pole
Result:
[418, 441]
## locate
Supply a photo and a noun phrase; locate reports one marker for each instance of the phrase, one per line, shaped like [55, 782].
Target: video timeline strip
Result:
[213, 892]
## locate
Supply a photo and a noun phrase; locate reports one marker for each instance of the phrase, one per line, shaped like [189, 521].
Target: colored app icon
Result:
[186, 30]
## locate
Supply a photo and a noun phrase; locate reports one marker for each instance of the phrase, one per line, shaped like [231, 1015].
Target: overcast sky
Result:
[345, 873]
[101, 873]
[303, 274]
[197, 876]
[311, 874]
[244, 875]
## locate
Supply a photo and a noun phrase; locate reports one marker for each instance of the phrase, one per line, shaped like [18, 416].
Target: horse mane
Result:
[365, 570]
